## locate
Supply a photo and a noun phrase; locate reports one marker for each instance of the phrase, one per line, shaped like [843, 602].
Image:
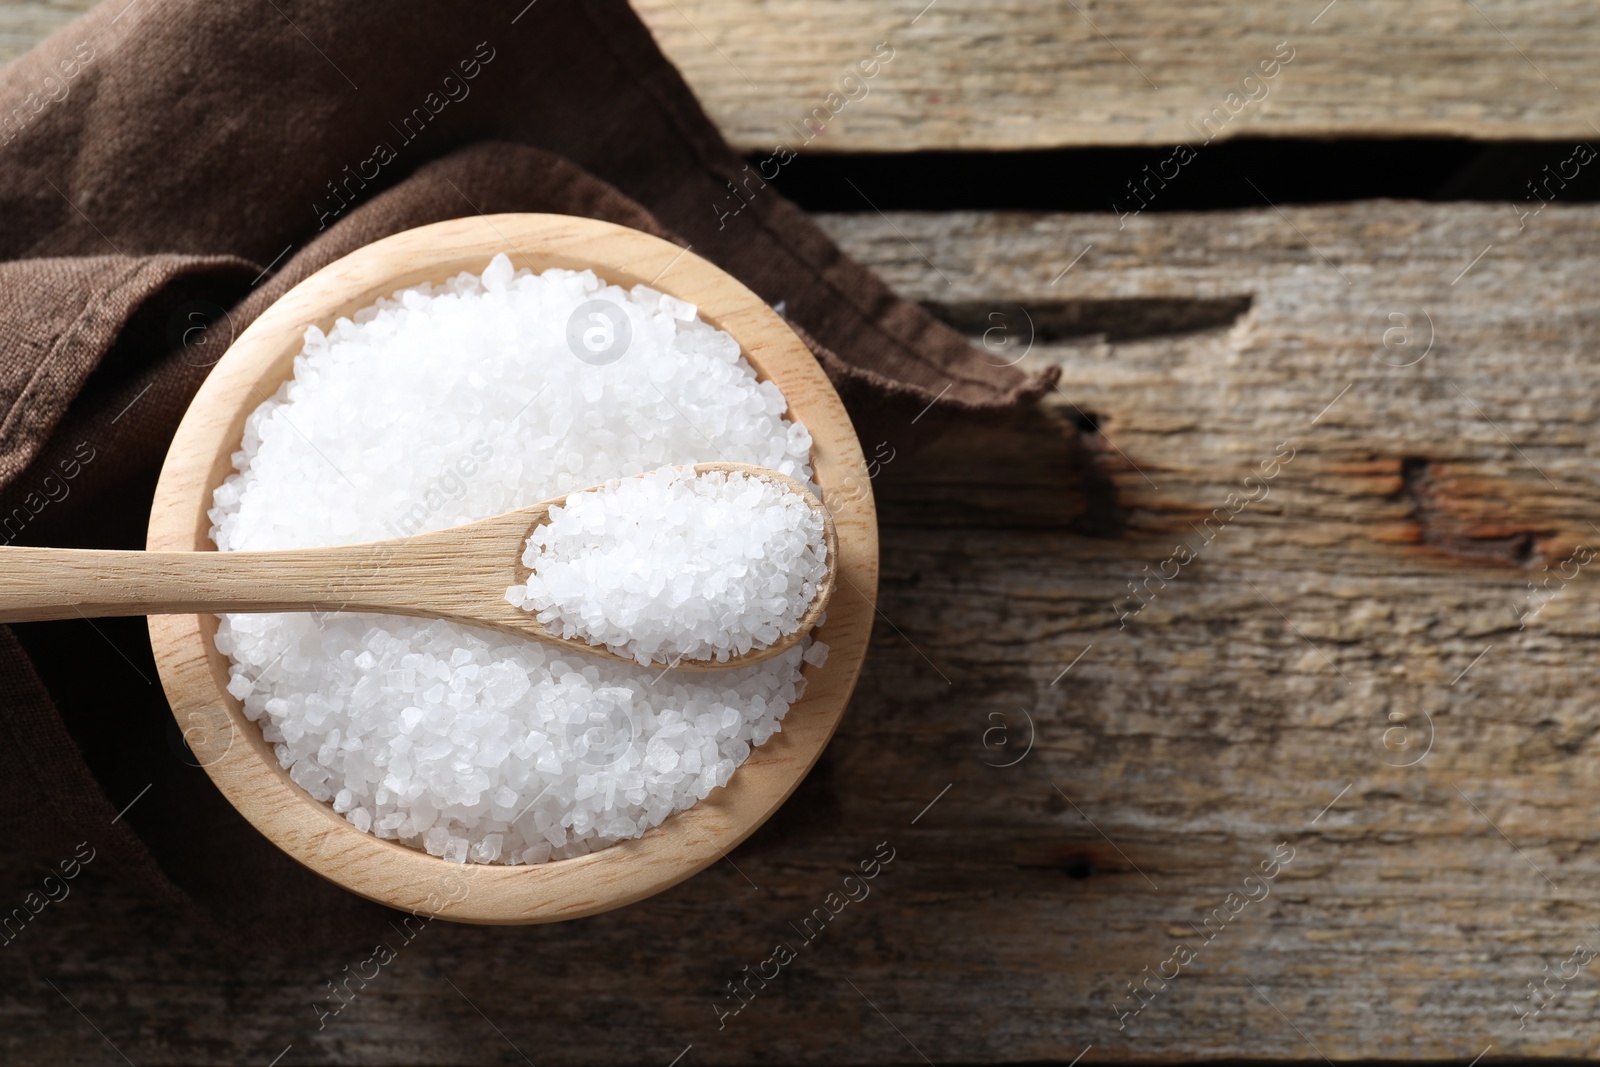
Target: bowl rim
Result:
[230, 747]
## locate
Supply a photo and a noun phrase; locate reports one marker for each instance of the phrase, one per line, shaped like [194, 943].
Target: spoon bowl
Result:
[243, 765]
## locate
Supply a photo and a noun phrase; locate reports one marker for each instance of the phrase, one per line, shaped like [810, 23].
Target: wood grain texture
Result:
[974, 74]
[1397, 543]
[970, 74]
[1344, 666]
[195, 675]
[460, 574]
[24, 23]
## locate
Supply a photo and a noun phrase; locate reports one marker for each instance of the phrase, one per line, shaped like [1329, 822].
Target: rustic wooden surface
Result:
[1273, 693]
[1340, 669]
[24, 23]
[1047, 73]
[1042, 73]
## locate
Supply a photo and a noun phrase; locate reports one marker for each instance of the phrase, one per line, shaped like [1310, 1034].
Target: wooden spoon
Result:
[460, 574]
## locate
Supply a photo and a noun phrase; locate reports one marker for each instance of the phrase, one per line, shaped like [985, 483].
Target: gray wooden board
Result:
[983, 74]
[1357, 618]
[976, 74]
[24, 23]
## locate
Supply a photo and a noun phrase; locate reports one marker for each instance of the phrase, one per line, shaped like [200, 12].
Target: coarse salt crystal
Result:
[676, 564]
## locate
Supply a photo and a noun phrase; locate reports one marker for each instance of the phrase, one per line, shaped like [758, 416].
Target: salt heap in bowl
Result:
[450, 403]
[676, 565]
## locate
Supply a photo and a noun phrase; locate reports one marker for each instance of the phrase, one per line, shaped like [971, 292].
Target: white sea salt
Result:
[675, 565]
[451, 403]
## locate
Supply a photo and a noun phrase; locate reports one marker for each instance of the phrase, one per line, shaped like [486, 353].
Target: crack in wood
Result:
[1454, 516]
[1115, 319]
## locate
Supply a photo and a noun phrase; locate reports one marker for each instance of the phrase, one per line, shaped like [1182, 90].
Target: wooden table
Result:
[1329, 748]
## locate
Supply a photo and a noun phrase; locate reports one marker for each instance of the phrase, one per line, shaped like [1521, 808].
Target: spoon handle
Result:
[65, 583]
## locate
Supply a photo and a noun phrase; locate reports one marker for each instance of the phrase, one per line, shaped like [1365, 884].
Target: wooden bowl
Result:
[231, 747]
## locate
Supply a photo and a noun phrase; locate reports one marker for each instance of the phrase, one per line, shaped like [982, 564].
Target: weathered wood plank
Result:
[1340, 612]
[1396, 544]
[24, 23]
[1039, 73]
[969, 74]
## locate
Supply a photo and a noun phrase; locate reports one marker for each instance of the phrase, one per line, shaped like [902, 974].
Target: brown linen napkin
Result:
[171, 163]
